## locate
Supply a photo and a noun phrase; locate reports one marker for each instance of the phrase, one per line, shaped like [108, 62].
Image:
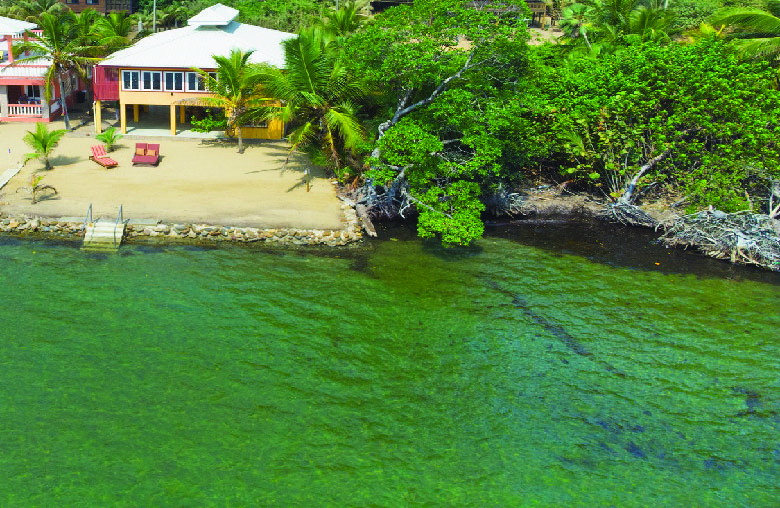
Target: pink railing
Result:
[29, 110]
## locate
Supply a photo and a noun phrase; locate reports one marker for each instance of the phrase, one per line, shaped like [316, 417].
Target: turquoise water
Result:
[543, 367]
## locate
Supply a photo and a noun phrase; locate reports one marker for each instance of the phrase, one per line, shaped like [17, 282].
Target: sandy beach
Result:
[195, 182]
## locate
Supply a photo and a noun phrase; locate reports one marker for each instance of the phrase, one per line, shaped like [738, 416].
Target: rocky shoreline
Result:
[144, 231]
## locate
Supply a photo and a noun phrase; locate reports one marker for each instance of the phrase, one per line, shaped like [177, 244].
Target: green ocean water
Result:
[553, 366]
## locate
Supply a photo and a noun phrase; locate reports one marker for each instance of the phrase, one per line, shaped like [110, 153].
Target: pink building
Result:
[22, 84]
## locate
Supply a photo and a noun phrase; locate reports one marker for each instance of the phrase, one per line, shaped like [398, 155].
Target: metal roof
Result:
[193, 46]
[29, 69]
[216, 15]
[9, 26]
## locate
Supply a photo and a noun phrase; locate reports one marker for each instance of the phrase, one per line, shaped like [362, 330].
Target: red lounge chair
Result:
[146, 155]
[99, 156]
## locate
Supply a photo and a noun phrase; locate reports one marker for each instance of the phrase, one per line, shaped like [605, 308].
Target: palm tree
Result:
[31, 10]
[109, 138]
[575, 23]
[84, 25]
[36, 187]
[43, 142]
[63, 46]
[761, 36]
[113, 31]
[606, 21]
[343, 21]
[650, 22]
[236, 89]
[318, 93]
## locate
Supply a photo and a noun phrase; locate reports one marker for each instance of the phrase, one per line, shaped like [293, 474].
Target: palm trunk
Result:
[240, 139]
[585, 36]
[62, 99]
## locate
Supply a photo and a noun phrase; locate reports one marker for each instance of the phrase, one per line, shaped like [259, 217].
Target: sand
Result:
[195, 182]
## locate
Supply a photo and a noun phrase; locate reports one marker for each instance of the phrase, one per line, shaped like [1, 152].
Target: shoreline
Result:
[158, 231]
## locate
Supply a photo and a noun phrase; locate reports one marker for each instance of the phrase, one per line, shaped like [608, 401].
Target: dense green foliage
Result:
[713, 115]
[318, 94]
[439, 104]
[436, 68]
[689, 119]
[284, 15]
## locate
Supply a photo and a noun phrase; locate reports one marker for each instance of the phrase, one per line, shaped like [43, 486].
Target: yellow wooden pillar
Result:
[123, 117]
[98, 118]
[135, 113]
[173, 119]
[182, 115]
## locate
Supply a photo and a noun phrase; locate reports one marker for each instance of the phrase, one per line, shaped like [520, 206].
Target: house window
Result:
[33, 91]
[174, 81]
[195, 82]
[151, 80]
[130, 80]
[262, 124]
[74, 2]
[93, 2]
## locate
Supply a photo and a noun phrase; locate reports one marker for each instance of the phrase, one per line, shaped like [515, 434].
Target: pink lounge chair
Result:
[99, 155]
[146, 155]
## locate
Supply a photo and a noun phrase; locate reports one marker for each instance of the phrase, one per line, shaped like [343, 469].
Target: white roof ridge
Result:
[216, 15]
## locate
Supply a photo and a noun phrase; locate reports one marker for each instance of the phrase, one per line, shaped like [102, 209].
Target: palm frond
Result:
[764, 48]
[342, 120]
[303, 135]
[753, 19]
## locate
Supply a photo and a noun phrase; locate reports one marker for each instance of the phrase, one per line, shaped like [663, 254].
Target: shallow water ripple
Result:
[511, 374]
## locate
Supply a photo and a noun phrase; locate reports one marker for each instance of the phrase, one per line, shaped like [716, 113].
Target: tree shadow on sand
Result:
[65, 160]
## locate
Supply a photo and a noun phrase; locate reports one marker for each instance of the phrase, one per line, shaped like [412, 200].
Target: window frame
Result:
[260, 124]
[199, 81]
[173, 73]
[137, 80]
[151, 81]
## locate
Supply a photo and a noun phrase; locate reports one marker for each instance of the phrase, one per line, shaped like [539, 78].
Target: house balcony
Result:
[25, 111]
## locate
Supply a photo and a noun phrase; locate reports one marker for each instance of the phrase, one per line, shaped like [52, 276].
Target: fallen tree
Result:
[742, 237]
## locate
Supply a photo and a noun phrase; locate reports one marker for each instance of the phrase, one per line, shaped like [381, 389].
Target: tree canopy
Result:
[436, 67]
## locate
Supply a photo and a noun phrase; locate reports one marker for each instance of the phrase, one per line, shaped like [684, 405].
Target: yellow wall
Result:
[275, 129]
[157, 98]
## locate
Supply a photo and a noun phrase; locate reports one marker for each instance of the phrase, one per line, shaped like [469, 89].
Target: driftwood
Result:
[629, 215]
[743, 237]
[365, 220]
[502, 202]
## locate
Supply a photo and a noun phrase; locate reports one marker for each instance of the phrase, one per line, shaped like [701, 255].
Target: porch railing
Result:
[31, 110]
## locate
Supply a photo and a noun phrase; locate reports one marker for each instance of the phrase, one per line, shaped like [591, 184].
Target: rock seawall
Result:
[160, 232]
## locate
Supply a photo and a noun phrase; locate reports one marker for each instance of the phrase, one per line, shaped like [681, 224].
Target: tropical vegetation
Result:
[110, 137]
[43, 142]
[431, 109]
[63, 44]
[235, 89]
[36, 188]
[318, 97]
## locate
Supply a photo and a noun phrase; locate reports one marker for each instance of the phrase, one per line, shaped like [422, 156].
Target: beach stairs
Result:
[103, 235]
